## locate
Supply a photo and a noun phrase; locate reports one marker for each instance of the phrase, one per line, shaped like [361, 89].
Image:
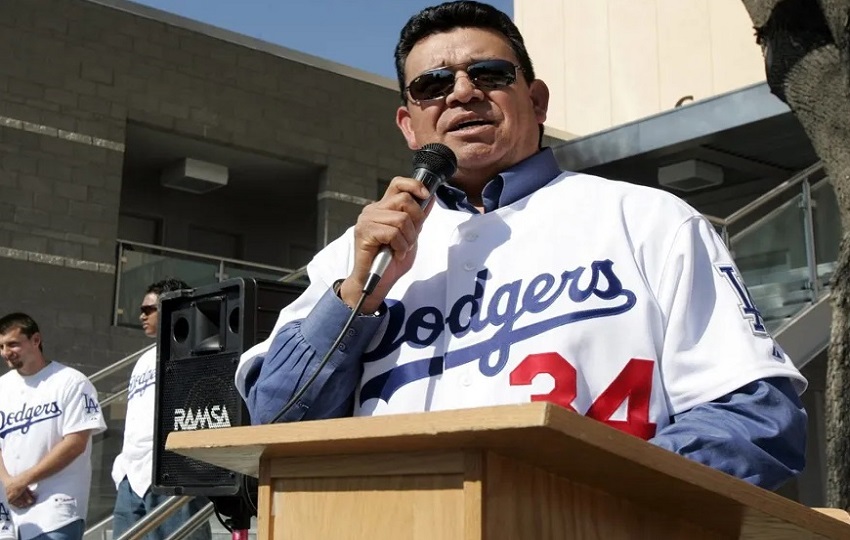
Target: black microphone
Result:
[433, 164]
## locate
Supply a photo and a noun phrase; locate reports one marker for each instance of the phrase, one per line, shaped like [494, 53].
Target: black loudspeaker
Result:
[202, 334]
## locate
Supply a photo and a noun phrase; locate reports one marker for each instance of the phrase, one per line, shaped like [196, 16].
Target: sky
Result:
[359, 33]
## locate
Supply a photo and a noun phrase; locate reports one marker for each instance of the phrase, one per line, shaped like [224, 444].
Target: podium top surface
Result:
[542, 434]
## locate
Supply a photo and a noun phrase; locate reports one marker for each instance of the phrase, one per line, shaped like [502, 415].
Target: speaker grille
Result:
[195, 401]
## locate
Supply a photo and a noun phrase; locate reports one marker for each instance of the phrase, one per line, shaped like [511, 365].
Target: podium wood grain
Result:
[531, 471]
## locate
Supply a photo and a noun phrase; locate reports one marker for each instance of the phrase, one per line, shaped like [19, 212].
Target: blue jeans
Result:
[130, 508]
[71, 531]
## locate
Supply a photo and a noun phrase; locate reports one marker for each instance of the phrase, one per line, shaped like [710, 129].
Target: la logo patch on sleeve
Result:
[745, 302]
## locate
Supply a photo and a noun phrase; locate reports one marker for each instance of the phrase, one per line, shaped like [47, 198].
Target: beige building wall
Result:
[608, 62]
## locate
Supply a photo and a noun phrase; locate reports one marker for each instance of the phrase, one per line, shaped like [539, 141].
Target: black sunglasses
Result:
[439, 83]
[147, 310]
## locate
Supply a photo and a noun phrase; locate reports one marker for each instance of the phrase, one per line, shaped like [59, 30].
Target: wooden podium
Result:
[525, 472]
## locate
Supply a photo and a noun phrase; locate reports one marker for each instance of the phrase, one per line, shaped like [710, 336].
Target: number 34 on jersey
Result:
[632, 385]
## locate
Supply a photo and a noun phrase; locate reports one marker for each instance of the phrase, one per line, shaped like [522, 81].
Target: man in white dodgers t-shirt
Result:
[132, 471]
[48, 415]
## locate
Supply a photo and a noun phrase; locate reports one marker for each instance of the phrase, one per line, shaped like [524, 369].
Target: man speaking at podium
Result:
[520, 282]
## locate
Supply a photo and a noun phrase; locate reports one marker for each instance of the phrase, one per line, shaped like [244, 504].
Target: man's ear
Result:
[539, 99]
[36, 339]
[404, 123]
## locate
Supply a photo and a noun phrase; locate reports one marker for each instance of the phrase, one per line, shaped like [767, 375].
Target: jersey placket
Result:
[467, 257]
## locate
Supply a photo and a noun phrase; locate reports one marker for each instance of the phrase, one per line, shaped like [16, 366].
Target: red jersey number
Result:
[633, 383]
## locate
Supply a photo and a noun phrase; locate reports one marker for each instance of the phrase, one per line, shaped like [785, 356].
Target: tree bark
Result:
[835, 12]
[805, 43]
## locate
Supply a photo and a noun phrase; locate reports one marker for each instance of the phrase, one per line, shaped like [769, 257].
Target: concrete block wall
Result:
[74, 73]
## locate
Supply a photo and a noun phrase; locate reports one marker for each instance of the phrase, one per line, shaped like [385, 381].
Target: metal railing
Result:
[119, 365]
[153, 520]
[139, 265]
[99, 530]
[802, 177]
[785, 243]
[194, 523]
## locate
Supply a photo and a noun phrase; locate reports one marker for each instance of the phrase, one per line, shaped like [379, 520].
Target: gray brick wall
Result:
[73, 309]
[88, 70]
[63, 195]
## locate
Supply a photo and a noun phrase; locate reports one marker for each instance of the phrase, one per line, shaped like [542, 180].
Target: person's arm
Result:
[267, 381]
[60, 456]
[293, 357]
[731, 389]
[757, 433]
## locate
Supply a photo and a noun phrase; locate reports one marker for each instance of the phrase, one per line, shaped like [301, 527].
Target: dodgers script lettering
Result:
[140, 383]
[470, 313]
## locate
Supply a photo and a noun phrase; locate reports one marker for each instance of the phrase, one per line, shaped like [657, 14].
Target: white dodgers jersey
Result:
[136, 458]
[36, 412]
[616, 301]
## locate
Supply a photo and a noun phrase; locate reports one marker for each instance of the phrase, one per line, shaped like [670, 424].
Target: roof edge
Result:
[693, 121]
[249, 42]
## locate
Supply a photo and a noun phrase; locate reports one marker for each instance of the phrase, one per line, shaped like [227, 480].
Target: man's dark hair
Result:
[167, 285]
[22, 321]
[451, 15]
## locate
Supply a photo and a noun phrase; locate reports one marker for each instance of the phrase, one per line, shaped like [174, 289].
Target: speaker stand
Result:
[240, 524]
[240, 527]
[237, 515]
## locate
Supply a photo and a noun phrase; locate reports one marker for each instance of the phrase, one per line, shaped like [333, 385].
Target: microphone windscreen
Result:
[437, 158]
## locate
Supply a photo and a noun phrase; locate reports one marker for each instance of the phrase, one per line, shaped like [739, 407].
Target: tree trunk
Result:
[805, 43]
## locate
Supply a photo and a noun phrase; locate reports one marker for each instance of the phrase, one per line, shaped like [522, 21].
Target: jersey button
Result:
[469, 267]
[465, 379]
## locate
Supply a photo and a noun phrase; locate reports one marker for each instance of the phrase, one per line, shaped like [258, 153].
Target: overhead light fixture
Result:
[690, 175]
[194, 176]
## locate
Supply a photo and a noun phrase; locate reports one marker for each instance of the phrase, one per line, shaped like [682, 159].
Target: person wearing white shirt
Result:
[48, 415]
[132, 471]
